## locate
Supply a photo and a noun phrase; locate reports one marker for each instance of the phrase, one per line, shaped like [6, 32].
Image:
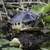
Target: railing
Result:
[24, 2]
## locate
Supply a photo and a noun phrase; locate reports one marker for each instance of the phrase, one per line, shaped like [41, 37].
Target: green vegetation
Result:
[46, 9]
[47, 19]
[37, 8]
[41, 8]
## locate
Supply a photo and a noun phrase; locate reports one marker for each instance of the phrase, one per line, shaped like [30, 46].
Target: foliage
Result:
[1, 33]
[47, 19]
[37, 8]
[46, 9]
[41, 8]
[46, 44]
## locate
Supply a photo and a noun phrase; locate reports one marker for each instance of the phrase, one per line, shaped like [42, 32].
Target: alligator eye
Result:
[15, 24]
[18, 23]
